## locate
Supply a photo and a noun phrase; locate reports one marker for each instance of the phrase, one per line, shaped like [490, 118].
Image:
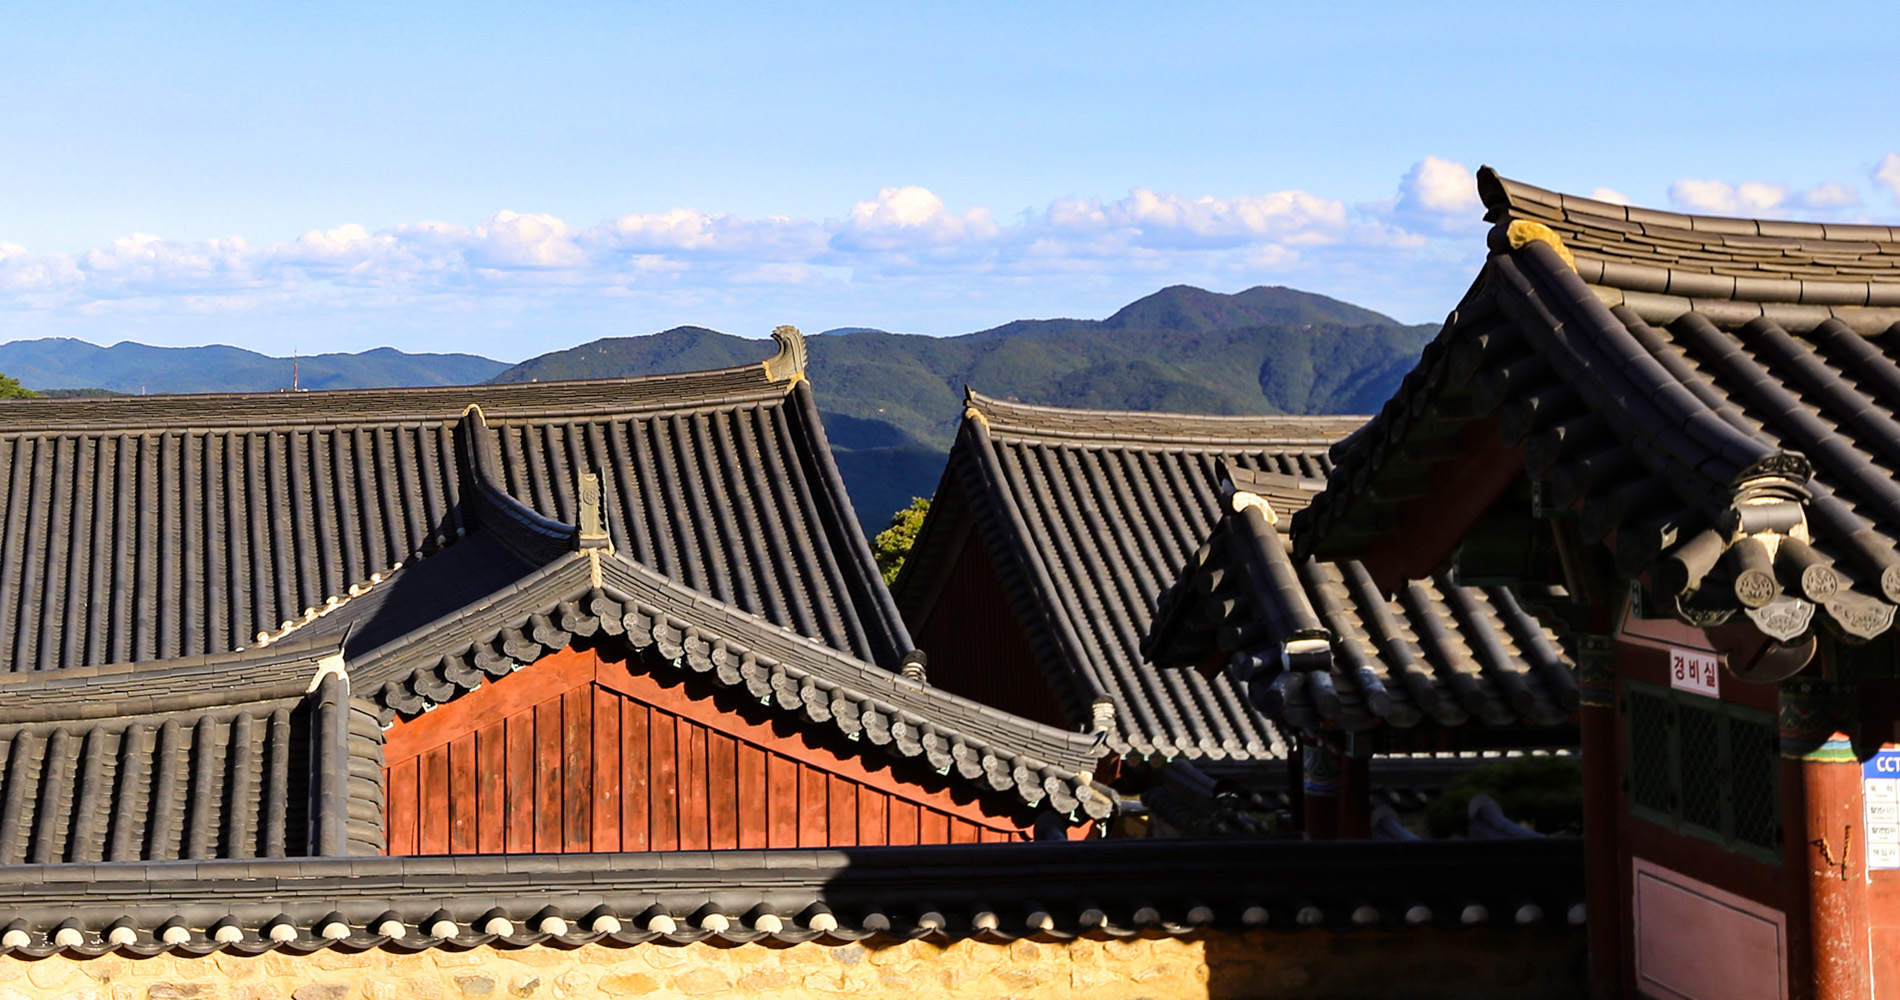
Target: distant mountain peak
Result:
[1189, 309]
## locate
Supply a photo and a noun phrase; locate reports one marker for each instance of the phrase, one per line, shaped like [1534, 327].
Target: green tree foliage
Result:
[11, 389]
[893, 543]
[1545, 792]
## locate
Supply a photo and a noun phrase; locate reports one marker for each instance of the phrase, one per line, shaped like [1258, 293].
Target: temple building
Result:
[572, 689]
[1099, 544]
[1674, 437]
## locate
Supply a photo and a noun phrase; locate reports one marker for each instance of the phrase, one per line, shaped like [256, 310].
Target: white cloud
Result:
[1440, 187]
[904, 252]
[1611, 195]
[911, 219]
[1830, 196]
[1887, 174]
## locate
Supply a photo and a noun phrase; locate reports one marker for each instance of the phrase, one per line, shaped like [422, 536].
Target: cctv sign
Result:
[1695, 671]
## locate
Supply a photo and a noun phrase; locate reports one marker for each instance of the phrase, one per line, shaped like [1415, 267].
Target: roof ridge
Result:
[404, 404]
[1006, 416]
[1665, 264]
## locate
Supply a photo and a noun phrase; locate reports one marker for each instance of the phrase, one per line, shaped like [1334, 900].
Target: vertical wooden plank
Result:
[491, 809]
[635, 769]
[401, 808]
[781, 778]
[962, 831]
[577, 763]
[434, 801]
[814, 800]
[462, 803]
[548, 779]
[933, 827]
[873, 824]
[903, 822]
[520, 797]
[607, 751]
[843, 819]
[722, 786]
[692, 784]
[753, 806]
[663, 800]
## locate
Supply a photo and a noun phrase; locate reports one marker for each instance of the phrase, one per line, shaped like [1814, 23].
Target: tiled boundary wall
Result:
[1519, 964]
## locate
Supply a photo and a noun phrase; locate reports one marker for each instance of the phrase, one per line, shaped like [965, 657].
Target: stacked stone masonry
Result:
[1246, 965]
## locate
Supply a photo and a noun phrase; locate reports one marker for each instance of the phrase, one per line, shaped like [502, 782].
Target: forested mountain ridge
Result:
[63, 363]
[891, 402]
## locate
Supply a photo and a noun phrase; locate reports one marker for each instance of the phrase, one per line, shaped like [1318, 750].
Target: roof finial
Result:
[1524, 231]
[789, 362]
[593, 532]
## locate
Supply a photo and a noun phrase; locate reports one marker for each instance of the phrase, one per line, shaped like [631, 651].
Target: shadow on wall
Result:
[1506, 964]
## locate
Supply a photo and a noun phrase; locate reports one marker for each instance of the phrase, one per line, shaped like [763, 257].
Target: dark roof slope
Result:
[1319, 646]
[154, 527]
[1089, 515]
[1046, 891]
[1717, 399]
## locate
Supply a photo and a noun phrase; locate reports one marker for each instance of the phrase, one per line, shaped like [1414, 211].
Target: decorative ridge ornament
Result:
[1240, 500]
[1522, 232]
[789, 362]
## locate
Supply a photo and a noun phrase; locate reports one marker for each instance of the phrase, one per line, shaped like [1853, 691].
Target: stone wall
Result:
[1467, 965]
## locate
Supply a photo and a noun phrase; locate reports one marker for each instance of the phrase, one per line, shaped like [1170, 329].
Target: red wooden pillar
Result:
[1320, 789]
[1836, 874]
[1602, 868]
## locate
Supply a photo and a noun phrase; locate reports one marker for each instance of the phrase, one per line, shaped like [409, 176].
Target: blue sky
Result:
[515, 178]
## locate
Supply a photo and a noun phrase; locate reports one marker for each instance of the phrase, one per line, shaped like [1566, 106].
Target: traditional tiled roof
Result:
[1055, 891]
[1089, 515]
[206, 757]
[157, 553]
[1320, 647]
[1714, 399]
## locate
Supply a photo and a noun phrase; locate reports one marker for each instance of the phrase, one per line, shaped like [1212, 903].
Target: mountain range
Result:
[63, 363]
[890, 402]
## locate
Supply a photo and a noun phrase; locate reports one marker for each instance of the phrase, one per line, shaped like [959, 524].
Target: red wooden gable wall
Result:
[993, 664]
[582, 753]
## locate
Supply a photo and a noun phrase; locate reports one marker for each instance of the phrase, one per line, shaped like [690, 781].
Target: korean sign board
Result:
[1696, 671]
[1880, 790]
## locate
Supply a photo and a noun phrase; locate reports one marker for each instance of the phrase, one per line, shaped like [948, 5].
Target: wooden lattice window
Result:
[1703, 767]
